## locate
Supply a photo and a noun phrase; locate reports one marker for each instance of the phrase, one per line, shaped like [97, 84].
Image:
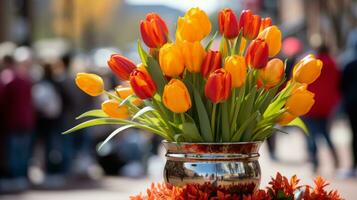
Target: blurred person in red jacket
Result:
[18, 120]
[326, 89]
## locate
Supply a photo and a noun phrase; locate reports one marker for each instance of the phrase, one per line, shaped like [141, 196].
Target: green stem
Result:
[231, 112]
[183, 117]
[213, 118]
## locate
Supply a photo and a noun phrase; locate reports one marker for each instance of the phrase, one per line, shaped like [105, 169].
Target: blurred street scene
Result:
[43, 44]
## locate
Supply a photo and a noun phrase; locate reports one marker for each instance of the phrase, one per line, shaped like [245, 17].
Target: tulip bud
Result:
[176, 96]
[228, 24]
[211, 62]
[171, 60]
[272, 74]
[194, 26]
[236, 66]
[272, 36]
[285, 118]
[250, 24]
[218, 86]
[91, 84]
[265, 23]
[193, 55]
[300, 101]
[113, 109]
[257, 54]
[307, 70]
[124, 92]
[142, 84]
[121, 66]
[154, 30]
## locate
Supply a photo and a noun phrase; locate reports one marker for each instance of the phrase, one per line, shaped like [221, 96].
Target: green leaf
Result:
[225, 123]
[236, 47]
[208, 46]
[205, 126]
[299, 123]
[143, 111]
[238, 134]
[94, 122]
[93, 113]
[143, 55]
[126, 100]
[156, 74]
[190, 131]
[114, 133]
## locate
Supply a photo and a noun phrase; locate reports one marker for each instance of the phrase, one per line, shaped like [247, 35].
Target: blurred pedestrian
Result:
[326, 89]
[349, 92]
[18, 120]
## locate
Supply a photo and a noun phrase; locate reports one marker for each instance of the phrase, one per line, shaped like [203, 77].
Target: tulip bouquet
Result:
[185, 91]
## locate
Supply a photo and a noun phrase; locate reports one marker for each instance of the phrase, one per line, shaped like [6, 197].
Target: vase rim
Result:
[212, 143]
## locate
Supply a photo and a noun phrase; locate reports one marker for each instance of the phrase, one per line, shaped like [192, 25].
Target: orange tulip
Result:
[121, 66]
[154, 30]
[265, 23]
[257, 54]
[272, 74]
[211, 62]
[250, 24]
[218, 86]
[176, 96]
[91, 84]
[307, 70]
[300, 101]
[171, 60]
[124, 92]
[236, 66]
[272, 36]
[228, 23]
[142, 84]
[285, 118]
[113, 109]
[194, 26]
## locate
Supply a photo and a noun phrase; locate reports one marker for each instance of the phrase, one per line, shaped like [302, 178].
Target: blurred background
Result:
[43, 44]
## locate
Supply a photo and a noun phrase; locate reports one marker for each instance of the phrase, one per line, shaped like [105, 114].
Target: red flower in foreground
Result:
[279, 188]
[154, 30]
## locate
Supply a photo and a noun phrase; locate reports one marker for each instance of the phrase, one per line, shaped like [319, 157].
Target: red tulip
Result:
[211, 62]
[121, 66]
[250, 24]
[142, 84]
[218, 86]
[265, 22]
[154, 30]
[228, 23]
[257, 54]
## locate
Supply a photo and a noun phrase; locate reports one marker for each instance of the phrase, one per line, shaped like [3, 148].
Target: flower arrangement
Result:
[185, 91]
[280, 188]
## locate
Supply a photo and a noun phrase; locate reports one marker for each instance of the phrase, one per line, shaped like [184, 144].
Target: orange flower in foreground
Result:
[154, 30]
[142, 84]
[91, 84]
[307, 70]
[113, 109]
[121, 66]
[218, 86]
[300, 101]
[124, 92]
[272, 74]
[176, 96]
[250, 24]
[257, 54]
[236, 66]
[228, 23]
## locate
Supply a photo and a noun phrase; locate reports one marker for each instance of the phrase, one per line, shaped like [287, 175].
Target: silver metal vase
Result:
[232, 165]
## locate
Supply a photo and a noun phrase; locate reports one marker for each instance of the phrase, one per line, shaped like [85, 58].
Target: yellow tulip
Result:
[300, 101]
[176, 96]
[193, 54]
[271, 74]
[236, 66]
[171, 60]
[194, 26]
[91, 84]
[124, 92]
[285, 118]
[307, 70]
[113, 109]
[272, 35]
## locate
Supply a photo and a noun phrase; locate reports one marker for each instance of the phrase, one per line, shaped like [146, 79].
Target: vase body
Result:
[232, 165]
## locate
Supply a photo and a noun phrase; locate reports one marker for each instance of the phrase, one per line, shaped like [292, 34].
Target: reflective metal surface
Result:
[221, 164]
